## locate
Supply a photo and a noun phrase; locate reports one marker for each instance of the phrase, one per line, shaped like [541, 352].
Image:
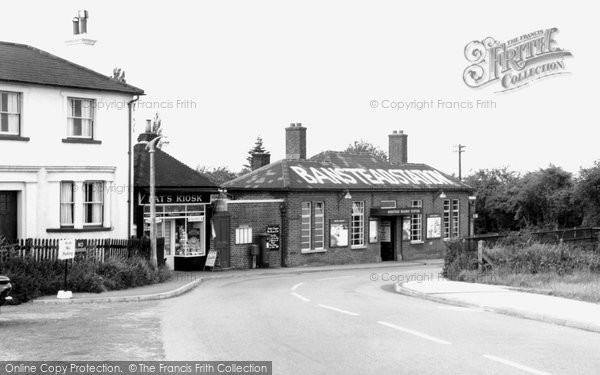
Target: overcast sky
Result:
[249, 68]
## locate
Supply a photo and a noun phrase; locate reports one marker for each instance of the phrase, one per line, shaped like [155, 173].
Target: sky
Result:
[221, 73]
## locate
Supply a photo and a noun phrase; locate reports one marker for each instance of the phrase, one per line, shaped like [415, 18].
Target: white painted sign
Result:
[195, 219]
[66, 249]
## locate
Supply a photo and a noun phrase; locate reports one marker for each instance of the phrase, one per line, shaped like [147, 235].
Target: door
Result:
[8, 215]
[169, 235]
[387, 239]
[221, 227]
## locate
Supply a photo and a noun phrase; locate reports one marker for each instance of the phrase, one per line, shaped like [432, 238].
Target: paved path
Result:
[496, 298]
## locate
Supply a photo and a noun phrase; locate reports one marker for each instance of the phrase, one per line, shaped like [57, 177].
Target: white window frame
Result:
[319, 218]
[70, 117]
[63, 204]
[243, 235]
[306, 226]
[455, 218]
[92, 203]
[357, 223]
[18, 113]
[446, 223]
[416, 223]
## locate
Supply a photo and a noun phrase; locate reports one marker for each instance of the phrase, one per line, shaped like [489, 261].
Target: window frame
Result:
[243, 235]
[62, 204]
[306, 226]
[86, 203]
[70, 117]
[416, 222]
[361, 243]
[455, 218]
[319, 224]
[19, 113]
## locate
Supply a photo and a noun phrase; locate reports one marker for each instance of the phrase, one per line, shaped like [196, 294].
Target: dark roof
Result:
[25, 64]
[169, 172]
[336, 170]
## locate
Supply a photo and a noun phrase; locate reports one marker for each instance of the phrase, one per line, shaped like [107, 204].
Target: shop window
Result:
[357, 227]
[455, 218]
[243, 235]
[93, 202]
[446, 219]
[416, 223]
[67, 203]
[81, 118]
[306, 226]
[10, 113]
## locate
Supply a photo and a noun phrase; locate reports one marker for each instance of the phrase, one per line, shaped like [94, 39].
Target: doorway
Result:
[387, 238]
[8, 215]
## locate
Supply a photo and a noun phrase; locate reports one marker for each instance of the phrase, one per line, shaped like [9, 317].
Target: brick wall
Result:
[337, 207]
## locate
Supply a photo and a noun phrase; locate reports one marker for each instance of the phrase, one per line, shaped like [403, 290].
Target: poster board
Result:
[385, 231]
[274, 237]
[66, 249]
[434, 226]
[406, 226]
[211, 259]
[373, 231]
[338, 233]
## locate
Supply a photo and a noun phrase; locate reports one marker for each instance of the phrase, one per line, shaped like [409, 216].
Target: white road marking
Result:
[419, 334]
[338, 310]
[458, 308]
[296, 286]
[515, 365]
[334, 278]
[300, 297]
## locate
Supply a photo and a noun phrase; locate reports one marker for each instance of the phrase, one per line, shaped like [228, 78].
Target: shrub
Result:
[32, 279]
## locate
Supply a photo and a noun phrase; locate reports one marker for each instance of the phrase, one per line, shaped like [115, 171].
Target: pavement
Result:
[183, 282]
[506, 300]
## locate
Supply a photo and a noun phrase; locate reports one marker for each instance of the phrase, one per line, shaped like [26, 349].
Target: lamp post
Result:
[151, 147]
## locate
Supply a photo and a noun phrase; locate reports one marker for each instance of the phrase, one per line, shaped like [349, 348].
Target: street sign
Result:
[66, 249]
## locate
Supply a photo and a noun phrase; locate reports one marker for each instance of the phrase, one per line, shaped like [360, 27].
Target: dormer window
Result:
[10, 113]
[81, 118]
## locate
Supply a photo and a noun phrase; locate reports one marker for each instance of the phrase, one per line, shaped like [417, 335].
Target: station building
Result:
[341, 208]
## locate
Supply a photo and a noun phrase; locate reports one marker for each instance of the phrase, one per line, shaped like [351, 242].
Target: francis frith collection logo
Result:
[514, 63]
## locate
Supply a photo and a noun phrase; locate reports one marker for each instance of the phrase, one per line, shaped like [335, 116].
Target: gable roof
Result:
[169, 172]
[21, 63]
[342, 170]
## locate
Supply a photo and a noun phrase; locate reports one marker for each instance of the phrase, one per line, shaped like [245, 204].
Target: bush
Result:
[32, 279]
[458, 257]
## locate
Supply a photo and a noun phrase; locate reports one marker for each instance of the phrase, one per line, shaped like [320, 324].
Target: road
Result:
[335, 322]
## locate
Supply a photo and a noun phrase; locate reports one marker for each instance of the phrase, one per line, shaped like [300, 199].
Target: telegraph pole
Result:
[460, 149]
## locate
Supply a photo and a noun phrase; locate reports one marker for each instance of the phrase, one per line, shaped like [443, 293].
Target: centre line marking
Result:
[515, 365]
[334, 278]
[338, 310]
[300, 297]
[296, 286]
[419, 334]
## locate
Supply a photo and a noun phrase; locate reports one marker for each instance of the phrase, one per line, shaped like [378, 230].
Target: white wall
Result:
[35, 168]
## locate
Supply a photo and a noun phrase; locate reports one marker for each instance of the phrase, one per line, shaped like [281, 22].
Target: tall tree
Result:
[364, 147]
[587, 194]
[257, 148]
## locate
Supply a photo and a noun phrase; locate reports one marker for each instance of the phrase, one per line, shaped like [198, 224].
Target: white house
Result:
[65, 142]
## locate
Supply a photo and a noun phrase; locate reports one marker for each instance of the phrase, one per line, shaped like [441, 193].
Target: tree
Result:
[217, 176]
[257, 149]
[495, 206]
[363, 147]
[587, 194]
[119, 75]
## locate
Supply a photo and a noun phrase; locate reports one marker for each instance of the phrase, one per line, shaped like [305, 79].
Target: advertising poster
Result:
[338, 233]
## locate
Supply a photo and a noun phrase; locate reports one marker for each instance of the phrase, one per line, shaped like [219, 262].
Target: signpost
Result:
[66, 251]
[211, 259]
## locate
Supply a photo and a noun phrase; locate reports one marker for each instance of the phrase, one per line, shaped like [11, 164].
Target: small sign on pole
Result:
[66, 251]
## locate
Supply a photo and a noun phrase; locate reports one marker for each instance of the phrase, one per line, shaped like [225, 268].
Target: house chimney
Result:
[398, 149]
[80, 30]
[259, 160]
[295, 142]
[148, 134]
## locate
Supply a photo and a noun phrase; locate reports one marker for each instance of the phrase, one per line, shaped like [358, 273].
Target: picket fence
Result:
[95, 249]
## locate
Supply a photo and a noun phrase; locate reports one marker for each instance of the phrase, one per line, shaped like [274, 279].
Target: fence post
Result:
[479, 255]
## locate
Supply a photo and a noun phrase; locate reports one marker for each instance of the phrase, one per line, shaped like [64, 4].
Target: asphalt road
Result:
[338, 322]
[344, 322]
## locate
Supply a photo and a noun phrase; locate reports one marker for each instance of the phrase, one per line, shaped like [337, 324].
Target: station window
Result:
[455, 218]
[446, 219]
[243, 235]
[357, 238]
[313, 226]
[416, 222]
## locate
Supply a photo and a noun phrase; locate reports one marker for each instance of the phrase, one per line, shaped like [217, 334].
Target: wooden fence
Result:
[96, 249]
[587, 237]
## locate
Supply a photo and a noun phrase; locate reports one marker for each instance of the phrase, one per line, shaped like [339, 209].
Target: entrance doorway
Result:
[387, 238]
[8, 215]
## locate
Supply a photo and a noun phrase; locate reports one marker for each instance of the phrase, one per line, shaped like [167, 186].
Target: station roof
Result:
[21, 63]
[169, 172]
[332, 170]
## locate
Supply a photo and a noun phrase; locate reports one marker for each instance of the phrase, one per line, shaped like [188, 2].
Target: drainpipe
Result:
[130, 106]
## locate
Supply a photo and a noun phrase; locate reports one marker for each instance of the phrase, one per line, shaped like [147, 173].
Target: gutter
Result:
[130, 105]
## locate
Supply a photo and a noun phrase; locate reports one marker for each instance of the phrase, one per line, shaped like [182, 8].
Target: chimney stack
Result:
[295, 142]
[259, 160]
[398, 148]
[148, 134]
